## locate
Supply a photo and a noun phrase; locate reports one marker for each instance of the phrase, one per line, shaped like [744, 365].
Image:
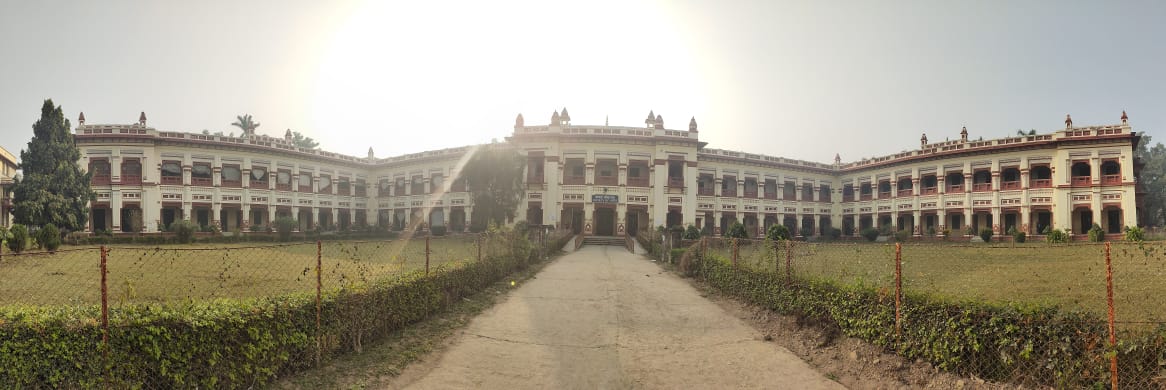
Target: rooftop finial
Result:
[964, 134]
[519, 122]
[288, 135]
[692, 124]
[565, 117]
[1068, 121]
[81, 119]
[837, 158]
[370, 155]
[651, 121]
[659, 122]
[142, 119]
[1124, 118]
[923, 141]
[555, 118]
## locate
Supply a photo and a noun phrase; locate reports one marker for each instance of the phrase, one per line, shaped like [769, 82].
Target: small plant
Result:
[736, 230]
[215, 229]
[986, 234]
[19, 238]
[437, 230]
[183, 231]
[285, 225]
[691, 233]
[946, 234]
[931, 231]
[1096, 234]
[835, 233]
[1135, 234]
[1056, 236]
[870, 234]
[1017, 235]
[969, 231]
[848, 230]
[161, 227]
[256, 227]
[777, 232]
[902, 235]
[48, 238]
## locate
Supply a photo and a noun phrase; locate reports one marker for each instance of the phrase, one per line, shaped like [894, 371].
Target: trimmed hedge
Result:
[228, 343]
[1021, 344]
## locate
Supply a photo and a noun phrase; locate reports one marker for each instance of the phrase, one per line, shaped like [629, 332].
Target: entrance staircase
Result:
[604, 240]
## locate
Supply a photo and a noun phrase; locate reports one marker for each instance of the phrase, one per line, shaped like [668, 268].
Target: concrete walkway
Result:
[602, 318]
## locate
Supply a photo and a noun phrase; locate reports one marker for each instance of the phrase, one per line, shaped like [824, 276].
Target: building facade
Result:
[8, 167]
[613, 180]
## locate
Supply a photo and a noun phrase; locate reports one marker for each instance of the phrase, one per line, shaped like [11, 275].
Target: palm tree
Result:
[244, 122]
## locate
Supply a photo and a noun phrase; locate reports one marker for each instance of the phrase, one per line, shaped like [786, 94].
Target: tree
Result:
[244, 122]
[53, 189]
[494, 176]
[304, 142]
[1152, 179]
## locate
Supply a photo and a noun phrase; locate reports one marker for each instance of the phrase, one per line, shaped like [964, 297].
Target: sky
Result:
[797, 79]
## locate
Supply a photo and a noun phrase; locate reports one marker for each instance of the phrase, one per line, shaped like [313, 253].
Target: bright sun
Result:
[426, 66]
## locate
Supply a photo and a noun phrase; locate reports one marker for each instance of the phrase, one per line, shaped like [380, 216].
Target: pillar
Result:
[917, 223]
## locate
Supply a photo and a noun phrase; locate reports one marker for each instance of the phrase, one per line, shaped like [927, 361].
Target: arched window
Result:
[131, 171]
[1010, 179]
[171, 172]
[905, 186]
[982, 181]
[954, 182]
[1040, 176]
[100, 170]
[1081, 173]
[1110, 172]
[200, 174]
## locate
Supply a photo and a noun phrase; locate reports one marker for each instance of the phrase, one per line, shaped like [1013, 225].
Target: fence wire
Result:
[1062, 288]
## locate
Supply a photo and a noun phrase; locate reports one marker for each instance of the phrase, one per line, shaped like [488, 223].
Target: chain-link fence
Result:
[1034, 314]
[140, 316]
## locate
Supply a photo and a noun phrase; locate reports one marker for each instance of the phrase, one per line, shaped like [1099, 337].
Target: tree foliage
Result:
[494, 176]
[303, 142]
[736, 230]
[53, 189]
[246, 123]
[1151, 179]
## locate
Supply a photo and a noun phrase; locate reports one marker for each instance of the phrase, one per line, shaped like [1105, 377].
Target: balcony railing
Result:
[1081, 180]
[308, 188]
[885, 195]
[705, 192]
[131, 180]
[173, 180]
[259, 184]
[640, 182]
[606, 180]
[575, 180]
[100, 180]
[866, 197]
[676, 182]
[751, 194]
[789, 197]
[981, 187]
[905, 192]
[535, 179]
[343, 190]
[771, 194]
[283, 187]
[201, 181]
[361, 192]
[824, 198]
[929, 190]
[732, 192]
[1110, 180]
[232, 183]
[1010, 185]
[847, 198]
[1041, 183]
[955, 188]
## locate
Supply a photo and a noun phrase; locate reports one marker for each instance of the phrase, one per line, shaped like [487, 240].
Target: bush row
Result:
[1034, 345]
[228, 343]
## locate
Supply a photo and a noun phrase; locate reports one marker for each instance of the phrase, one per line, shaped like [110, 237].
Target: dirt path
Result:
[604, 318]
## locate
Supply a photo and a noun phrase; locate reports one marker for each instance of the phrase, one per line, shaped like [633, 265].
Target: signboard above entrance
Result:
[604, 198]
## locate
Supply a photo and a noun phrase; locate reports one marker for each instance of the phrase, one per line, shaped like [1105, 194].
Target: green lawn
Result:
[1069, 275]
[200, 271]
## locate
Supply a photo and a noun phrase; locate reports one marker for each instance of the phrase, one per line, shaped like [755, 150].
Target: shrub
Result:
[848, 230]
[931, 231]
[777, 232]
[1017, 235]
[48, 238]
[285, 225]
[183, 231]
[437, 230]
[1056, 236]
[1096, 234]
[946, 234]
[835, 233]
[968, 231]
[870, 234]
[736, 230]
[1135, 234]
[4, 234]
[986, 234]
[19, 238]
[691, 233]
[902, 235]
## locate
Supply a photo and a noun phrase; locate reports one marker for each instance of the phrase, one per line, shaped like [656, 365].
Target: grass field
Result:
[1071, 276]
[201, 271]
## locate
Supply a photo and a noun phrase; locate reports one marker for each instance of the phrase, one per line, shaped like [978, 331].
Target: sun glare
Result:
[395, 67]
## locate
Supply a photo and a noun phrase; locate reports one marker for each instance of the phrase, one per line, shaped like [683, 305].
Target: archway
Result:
[604, 221]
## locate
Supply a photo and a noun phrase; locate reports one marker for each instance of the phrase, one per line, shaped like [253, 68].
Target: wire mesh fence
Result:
[1032, 314]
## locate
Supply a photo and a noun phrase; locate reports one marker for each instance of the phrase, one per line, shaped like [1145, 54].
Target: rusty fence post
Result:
[898, 290]
[735, 252]
[1112, 330]
[777, 257]
[789, 259]
[480, 247]
[319, 307]
[426, 255]
[105, 315]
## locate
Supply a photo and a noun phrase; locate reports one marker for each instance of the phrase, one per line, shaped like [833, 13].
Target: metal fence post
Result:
[105, 316]
[426, 255]
[736, 252]
[1112, 330]
[789, 259]
[319, 308]
[898, 290]
[480, 247]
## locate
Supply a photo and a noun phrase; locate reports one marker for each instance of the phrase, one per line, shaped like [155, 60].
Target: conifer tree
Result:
[52, 189]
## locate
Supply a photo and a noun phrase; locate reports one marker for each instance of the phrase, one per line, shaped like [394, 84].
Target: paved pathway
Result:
[602, 318]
